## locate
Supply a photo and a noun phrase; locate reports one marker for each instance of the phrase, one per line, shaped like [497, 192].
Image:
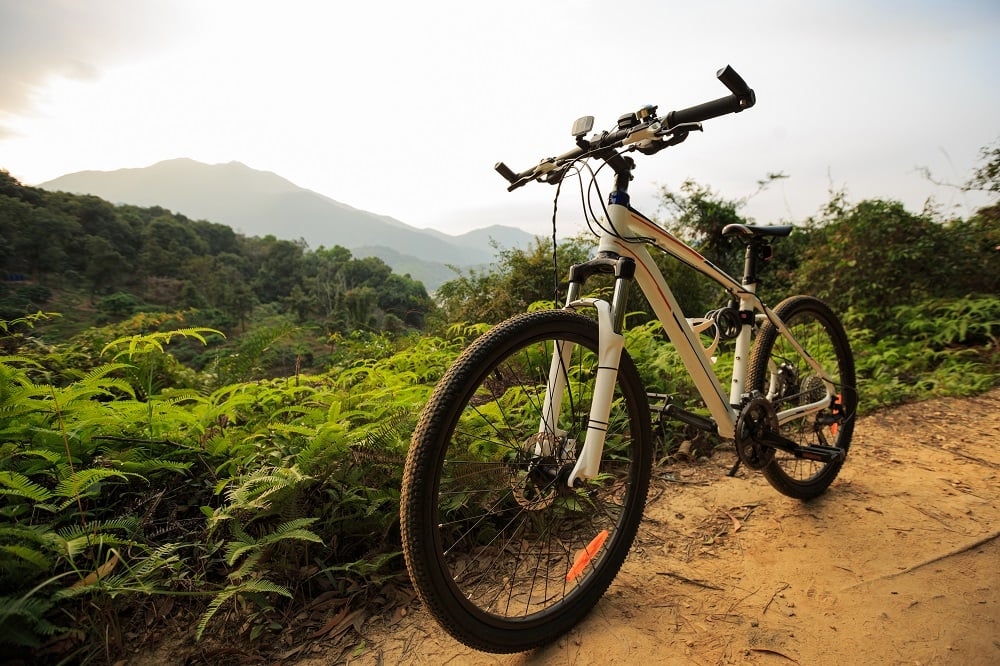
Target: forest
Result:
[202, 434]
[123, 259]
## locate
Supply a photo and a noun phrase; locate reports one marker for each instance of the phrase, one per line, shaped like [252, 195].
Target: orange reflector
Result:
[837, 410]
[584, 557]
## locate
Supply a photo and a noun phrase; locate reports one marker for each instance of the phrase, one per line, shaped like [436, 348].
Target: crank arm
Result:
[825, 454]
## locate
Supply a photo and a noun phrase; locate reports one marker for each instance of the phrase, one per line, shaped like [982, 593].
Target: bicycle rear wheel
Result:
[500, 550]
[783, 375]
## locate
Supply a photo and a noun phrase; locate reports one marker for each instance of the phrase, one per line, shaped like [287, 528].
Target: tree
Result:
[168, 244]
[514, 281]
[405, 299]
[103, 263]
[987, 176]
[324, 278]
[874, 256]
[368, 271]
[280, 269]
[974, 260]
[698, 215]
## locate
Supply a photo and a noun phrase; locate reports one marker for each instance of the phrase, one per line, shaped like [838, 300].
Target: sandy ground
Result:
[899, 563]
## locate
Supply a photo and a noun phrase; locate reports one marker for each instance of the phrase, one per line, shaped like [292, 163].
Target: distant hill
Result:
[258, 203]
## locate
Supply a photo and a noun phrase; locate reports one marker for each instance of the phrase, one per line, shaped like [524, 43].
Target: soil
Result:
[898, 563]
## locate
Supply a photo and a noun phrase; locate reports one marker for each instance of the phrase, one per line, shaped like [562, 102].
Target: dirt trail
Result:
[899, 563]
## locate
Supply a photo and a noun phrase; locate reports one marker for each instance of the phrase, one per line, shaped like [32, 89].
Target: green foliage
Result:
[119, 304]
[126, 486]
[152, 456]
[940, 348]
[873, 256]
[517, 279]
[987, 176]
[121, 257]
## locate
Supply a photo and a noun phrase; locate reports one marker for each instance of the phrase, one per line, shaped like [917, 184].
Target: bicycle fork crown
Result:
[623, 269]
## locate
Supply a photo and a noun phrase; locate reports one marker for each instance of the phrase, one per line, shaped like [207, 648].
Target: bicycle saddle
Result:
[752, 230]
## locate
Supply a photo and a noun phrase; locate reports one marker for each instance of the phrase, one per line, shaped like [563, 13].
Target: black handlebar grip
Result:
[505, 171]
[700, 112]
[743, 97]
[733, 81]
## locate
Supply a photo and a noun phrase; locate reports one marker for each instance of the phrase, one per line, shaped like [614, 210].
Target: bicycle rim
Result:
[504, 555]
[782, 374]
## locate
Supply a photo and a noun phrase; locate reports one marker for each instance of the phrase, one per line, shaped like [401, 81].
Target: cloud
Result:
[43, 40]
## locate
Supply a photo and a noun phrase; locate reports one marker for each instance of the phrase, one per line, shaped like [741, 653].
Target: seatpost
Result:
[757, 251]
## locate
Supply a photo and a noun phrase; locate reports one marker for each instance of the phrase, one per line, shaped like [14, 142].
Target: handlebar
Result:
[640, 128]
[743, 97]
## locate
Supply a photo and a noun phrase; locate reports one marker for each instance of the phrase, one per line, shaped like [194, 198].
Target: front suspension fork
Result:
[610, 322]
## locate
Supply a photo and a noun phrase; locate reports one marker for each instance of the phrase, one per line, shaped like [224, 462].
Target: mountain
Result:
[258, 203]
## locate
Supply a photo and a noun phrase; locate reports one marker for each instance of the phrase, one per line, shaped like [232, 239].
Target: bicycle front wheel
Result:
[786, 378]
[501, 551]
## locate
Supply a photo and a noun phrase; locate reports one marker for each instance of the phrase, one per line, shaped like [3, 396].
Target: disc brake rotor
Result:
[536, 486]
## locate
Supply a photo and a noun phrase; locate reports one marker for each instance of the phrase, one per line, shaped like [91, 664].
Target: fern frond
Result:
[128, 524]
[249, 564]
[20, 359]
[18, 484]
[102, 371]
[79, 482]
[292, 429]
[256, 488]
[40, 534]
[258, 585]
[160, 557]
[152, 466]
[22, 620]
[29, 555]
[49, 456]
[236, 528]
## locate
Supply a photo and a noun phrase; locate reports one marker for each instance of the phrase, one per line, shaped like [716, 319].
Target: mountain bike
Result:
[528, 470]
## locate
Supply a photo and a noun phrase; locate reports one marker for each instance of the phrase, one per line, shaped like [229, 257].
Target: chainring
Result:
[757, 420]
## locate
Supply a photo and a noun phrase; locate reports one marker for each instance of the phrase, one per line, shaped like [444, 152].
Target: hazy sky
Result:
[402, 107]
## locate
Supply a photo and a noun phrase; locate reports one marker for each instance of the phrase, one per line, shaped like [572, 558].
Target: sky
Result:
[402, 108]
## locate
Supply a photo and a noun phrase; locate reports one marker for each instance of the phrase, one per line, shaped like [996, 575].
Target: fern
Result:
[79, 483]
[20, 485]
[240, 365]
[259, 487]
[23, 622]
[75, 539]
[135, 345]
[254, 585]
[24, 554]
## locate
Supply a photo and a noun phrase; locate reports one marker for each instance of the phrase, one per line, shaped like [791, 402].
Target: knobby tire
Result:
[490, 535]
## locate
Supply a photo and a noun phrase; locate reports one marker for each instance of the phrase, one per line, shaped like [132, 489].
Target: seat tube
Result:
[741, 359]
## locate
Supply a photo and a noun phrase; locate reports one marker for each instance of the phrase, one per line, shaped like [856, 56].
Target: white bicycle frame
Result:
[627, 223]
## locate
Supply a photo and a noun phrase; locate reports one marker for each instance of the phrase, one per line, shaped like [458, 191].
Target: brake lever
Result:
[677, 135]
[682, 128]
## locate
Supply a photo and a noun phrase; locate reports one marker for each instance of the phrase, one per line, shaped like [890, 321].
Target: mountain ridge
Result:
[261, 203]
